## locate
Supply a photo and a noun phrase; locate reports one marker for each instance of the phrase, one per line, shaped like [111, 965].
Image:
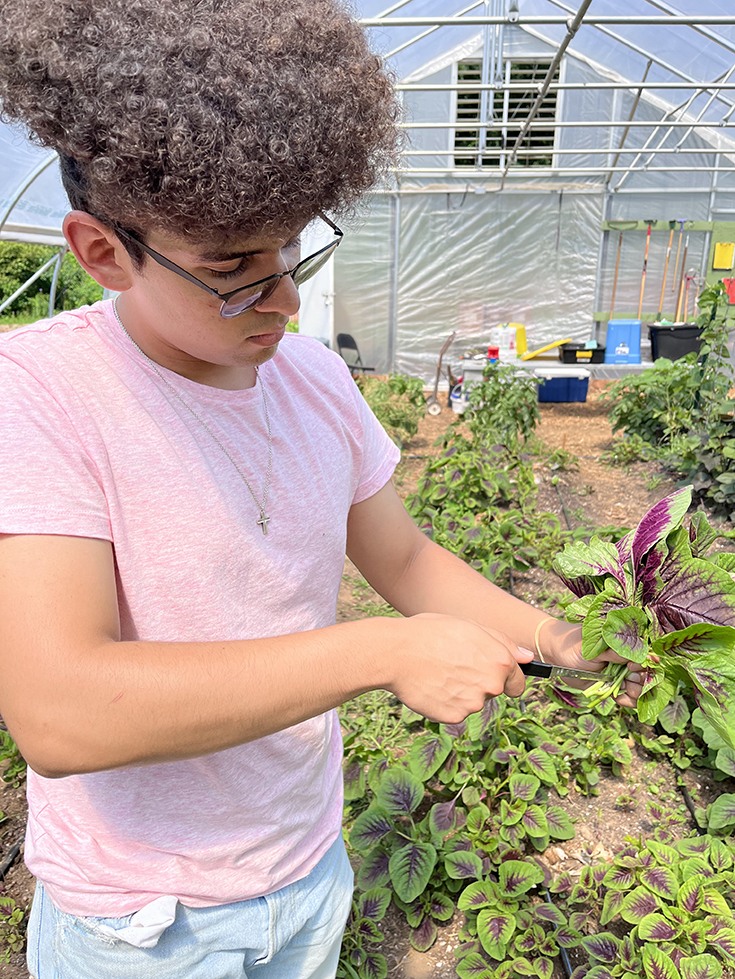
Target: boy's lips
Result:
[268, 339]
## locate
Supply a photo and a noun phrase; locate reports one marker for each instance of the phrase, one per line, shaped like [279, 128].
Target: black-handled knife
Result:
[537, 668]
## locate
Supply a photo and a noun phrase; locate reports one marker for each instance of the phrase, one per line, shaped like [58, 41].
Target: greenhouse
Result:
[467, 607]
[543, 144]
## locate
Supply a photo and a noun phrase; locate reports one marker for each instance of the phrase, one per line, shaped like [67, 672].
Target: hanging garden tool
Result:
[690, 289]
[672, 226]
[678, 251]
[650, 224]
[682, 277]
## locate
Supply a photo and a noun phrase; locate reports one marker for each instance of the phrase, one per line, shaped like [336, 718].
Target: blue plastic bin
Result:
[561, 384]
[623, 342]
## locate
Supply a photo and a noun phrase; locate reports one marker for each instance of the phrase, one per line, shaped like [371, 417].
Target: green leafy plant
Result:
[655, 404]
[12, 763]
[361, 956]
[504, 925]
[667, 910]
[373, 736]
[630, 448]
[19, 261]
[658, 600]
[683, 409]
[12, 928]
[397, 401]
[504, 405]
[705, 456]
[468, 798]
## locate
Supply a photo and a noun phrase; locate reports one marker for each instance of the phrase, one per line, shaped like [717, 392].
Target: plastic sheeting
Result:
[443, 250]
[466, 262]
[40, 209]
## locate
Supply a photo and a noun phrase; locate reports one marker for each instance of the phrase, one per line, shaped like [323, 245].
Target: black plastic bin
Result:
[675, 340]
[577, 353]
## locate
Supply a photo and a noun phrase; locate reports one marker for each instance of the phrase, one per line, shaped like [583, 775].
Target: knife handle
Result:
[536, 668]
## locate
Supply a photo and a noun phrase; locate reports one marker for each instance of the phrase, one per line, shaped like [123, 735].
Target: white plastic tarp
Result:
[441, 249]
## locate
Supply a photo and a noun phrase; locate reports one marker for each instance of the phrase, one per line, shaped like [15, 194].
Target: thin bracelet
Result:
[536, 636]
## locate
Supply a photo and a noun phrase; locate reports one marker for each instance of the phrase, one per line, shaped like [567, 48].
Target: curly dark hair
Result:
[200, 118]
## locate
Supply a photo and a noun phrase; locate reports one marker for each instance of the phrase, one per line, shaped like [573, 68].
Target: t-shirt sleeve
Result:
[379, 453]
[48, 481]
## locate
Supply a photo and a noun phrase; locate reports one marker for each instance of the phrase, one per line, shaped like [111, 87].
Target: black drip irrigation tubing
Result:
[563, 954]
[683, 790]
[563, 507]
[8, 862]
[689, 803]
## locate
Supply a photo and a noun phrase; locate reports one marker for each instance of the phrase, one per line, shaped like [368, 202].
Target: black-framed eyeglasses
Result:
[247, 297]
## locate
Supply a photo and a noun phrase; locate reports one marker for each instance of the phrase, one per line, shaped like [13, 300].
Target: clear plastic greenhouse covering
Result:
[496, 215]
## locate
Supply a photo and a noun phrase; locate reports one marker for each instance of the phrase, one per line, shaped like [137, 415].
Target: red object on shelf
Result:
[493, 353]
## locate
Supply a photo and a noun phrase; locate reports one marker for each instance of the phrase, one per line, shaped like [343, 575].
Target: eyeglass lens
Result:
[243, 301]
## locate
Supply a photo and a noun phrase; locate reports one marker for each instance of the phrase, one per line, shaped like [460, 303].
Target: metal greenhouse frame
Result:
[585, 136]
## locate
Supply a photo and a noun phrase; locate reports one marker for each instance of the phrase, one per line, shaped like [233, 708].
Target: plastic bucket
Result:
[675, 340]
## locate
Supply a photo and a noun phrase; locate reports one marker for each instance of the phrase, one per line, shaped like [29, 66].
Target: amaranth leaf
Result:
[603, 947]
[516, 877]
[658, 522]
[591, 562]
[495, 930]
[399, 792]
[625, 631]
[656, 928]
[658, 965]
[637, 904]
[703, 966]
[706, 655]
[428, 753]
[411, 868]
[693, 591]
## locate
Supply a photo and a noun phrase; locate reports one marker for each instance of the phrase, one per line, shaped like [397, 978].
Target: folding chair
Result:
[350, 353]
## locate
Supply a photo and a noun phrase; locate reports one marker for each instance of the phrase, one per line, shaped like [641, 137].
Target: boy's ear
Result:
[99, 251]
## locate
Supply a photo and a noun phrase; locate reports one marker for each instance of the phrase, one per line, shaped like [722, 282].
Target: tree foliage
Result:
[20, 260]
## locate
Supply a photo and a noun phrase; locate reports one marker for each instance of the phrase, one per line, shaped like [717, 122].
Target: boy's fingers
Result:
[625, 701]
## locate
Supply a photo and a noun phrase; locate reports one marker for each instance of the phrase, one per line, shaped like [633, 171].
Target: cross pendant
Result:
[262, 522]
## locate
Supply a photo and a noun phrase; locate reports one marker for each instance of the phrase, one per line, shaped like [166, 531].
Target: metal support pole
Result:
[393, 295]
[23, 187]
[572, 29]
[488, 60]
[55, 280]
[27, 283]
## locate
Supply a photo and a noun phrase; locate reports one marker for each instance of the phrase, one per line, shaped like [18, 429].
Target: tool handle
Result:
[536, 668]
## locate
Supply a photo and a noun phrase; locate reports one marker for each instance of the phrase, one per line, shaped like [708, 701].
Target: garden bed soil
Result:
[590, 494]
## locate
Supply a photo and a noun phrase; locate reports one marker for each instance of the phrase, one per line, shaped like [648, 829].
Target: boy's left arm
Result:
[415, 575]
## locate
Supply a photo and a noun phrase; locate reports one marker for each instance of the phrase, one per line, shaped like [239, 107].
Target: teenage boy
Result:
[180, 483]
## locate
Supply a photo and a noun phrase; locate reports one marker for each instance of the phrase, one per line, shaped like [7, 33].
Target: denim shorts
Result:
[295, 933]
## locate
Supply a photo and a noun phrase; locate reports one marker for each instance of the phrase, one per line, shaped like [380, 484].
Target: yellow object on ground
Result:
[530, 354]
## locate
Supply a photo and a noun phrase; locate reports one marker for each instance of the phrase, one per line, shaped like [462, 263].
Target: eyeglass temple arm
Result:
[171, 266]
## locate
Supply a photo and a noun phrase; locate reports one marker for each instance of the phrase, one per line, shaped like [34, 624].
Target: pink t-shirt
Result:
[93, 444]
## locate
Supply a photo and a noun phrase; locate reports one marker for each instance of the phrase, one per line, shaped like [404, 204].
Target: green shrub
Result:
[397, 401]
[19, 261]
[657, 403]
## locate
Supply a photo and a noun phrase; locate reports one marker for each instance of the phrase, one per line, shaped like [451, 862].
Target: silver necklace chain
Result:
[262, 505]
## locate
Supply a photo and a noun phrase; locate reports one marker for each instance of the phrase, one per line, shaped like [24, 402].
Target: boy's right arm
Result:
[77, 699]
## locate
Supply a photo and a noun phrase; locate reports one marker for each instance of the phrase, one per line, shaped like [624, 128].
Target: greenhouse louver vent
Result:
[507, 111]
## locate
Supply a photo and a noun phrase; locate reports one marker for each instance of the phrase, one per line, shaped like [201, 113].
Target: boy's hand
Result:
[446, 667]
[562, 646]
